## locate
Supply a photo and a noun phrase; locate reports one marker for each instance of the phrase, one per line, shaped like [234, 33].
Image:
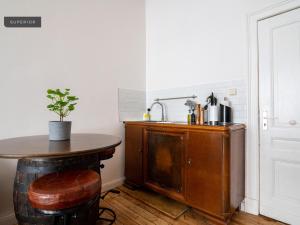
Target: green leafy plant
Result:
[62, 103]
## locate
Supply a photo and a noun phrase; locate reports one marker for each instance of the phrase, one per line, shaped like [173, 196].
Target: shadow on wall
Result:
[7, 174]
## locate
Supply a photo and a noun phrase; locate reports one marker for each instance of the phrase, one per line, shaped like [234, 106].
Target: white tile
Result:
[178, 112]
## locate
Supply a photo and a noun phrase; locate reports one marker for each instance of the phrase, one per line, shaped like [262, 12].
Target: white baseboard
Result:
[9, 219]
[112, 184]
[250, 206]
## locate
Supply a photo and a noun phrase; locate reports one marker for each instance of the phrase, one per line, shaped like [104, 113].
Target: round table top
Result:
[40, 147]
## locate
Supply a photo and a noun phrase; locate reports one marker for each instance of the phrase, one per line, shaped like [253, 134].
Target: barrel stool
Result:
[64, 194]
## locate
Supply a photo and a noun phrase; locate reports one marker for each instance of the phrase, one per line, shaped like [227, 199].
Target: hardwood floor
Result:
[133, 212]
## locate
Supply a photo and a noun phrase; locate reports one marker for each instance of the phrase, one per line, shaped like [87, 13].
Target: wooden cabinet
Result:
[201, 166]
[133, 155]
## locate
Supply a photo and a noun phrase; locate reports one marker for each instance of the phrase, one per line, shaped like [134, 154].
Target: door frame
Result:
[252, 199]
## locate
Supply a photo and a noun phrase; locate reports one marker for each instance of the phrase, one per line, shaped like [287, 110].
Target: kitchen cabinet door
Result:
[164, 162]
[205, 172]
[134, 155]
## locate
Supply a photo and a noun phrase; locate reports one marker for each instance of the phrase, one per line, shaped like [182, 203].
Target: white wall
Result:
[93, 47]
[190, 42]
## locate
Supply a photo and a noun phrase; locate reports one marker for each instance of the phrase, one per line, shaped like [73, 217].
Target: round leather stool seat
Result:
[64, 190]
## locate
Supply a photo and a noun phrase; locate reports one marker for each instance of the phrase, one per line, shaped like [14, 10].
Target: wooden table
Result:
[38, 156]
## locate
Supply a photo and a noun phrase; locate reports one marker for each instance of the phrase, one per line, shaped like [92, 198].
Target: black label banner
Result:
[13, 21]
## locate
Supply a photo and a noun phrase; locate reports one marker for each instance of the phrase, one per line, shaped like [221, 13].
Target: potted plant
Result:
[62, 103]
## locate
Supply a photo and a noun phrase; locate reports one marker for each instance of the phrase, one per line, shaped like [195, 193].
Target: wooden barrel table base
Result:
[28, 170]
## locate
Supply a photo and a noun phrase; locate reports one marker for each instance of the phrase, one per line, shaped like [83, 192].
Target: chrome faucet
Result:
[162, 109]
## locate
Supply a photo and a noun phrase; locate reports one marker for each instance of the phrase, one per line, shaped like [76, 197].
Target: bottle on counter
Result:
[189, 117]
[200, 115]
[205, 114]
[202, 118]
[147, 115]
[193, 117]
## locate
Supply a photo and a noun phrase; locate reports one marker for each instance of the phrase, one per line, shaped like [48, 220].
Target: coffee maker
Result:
[225, 112]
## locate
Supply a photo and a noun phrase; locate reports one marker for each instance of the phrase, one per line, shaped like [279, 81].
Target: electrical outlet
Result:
[232, 91]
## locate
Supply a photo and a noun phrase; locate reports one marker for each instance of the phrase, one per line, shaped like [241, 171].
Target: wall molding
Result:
[112, 184]
[252, 140]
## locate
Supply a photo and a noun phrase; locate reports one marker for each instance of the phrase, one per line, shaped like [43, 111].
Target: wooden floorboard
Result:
[130, 211]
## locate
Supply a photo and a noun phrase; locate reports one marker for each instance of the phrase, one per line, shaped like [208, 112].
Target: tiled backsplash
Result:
[177, 111]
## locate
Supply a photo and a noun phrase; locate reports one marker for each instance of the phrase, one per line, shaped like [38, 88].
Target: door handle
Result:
[189, 162]
[292, 122]
[265, 116]
[266, 119]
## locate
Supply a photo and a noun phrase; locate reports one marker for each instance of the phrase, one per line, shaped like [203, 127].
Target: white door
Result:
[279, 103]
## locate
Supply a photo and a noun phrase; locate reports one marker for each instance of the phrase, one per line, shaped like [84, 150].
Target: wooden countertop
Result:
[184, 125]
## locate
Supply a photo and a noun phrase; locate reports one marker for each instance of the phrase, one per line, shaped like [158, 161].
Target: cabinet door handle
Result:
[189, 161]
